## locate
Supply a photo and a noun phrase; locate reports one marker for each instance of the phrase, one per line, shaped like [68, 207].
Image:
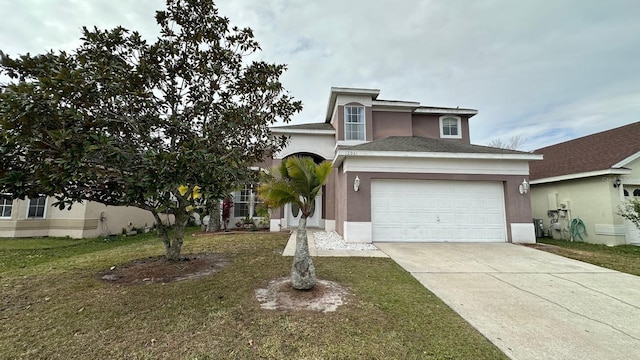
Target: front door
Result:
[293, 214]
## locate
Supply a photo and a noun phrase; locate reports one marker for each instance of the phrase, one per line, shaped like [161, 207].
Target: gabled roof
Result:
[412, 106]
[421, 147]
[604, 152]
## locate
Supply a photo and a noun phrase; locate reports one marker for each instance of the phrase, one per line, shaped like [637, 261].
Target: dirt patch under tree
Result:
[278, 294]
[159, 270]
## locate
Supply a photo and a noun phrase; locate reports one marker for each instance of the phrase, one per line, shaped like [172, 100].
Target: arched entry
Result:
[292, 211]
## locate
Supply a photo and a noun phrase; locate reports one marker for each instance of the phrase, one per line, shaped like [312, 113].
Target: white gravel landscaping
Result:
[331, 240]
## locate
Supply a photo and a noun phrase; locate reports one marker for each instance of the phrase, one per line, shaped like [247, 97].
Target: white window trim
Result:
[7, 217]
[253, 202]
[44, 211]
[442, 135]
[364, 122]
[237, 195]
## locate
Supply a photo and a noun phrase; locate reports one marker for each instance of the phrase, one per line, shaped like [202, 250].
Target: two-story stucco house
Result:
[406, 172]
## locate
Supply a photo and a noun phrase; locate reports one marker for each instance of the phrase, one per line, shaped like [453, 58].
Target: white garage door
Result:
[437, 211]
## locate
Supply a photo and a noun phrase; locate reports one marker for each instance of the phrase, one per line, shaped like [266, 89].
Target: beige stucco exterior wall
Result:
[112, 219]
[70, 221]
[594, 200]
[82, 221]
[632, 180]
[631, 183]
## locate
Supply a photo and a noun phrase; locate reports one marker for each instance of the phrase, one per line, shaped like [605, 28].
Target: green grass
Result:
[22, 253]
[624, 258]
[56, 308]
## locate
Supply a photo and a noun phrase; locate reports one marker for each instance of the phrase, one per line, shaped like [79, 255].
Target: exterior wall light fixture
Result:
[617, 183]
[524, 187]
[356, 184]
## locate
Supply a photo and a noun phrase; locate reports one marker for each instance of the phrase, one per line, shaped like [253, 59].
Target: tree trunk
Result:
[173, 252]
[172, 240]
[214, 216]
[303, 273]
[163, 231]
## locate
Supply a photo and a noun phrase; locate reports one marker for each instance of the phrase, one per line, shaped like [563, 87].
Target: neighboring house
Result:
[587, 179]
[406, 172]
[36, 217]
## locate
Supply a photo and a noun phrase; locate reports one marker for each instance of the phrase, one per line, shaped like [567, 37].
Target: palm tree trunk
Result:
[303, 273]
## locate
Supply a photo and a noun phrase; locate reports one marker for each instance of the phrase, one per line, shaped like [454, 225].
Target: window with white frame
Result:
[36, 207]
[354, 123]
[245, 202]
[6, 206]
[450, 127]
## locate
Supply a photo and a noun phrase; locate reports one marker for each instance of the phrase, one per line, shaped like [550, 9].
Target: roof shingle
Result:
[599, 151]
[422, 144]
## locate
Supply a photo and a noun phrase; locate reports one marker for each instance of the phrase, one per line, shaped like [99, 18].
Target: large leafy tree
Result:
[124, 121]
[297, 180]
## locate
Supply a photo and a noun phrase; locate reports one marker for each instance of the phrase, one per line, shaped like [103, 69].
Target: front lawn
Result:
[624, 258]
[54, 306]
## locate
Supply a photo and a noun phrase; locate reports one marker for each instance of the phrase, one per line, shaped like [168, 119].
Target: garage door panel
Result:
[437, 211]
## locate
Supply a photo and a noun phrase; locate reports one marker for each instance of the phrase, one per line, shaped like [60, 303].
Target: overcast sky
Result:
[544, 70]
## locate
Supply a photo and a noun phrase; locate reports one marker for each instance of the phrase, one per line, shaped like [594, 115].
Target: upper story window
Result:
[354, 123]
[6, 205]
[36, 207]
[450, 127]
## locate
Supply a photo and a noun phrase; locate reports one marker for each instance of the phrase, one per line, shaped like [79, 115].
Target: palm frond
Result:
[301, 174]
[277, 193]
[323, 170]
[295, 180]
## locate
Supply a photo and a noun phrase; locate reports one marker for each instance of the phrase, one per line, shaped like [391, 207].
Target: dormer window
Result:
[354, 123]
[450, 127]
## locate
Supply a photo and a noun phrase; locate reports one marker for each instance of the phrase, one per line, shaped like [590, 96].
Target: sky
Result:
[544, 70]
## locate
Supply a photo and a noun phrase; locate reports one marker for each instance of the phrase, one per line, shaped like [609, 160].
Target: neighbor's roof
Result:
[606, 150]
[422, 144]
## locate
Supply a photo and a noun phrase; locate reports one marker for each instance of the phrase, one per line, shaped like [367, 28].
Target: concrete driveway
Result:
[529, 303]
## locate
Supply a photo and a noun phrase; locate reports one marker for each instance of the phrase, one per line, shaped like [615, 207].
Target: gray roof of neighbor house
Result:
[422, 144]
[311, 126]
[599, 151]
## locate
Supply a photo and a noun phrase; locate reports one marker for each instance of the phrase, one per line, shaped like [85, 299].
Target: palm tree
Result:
[297, 181]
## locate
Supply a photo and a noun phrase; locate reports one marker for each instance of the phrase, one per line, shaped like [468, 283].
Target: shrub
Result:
[630, 210]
